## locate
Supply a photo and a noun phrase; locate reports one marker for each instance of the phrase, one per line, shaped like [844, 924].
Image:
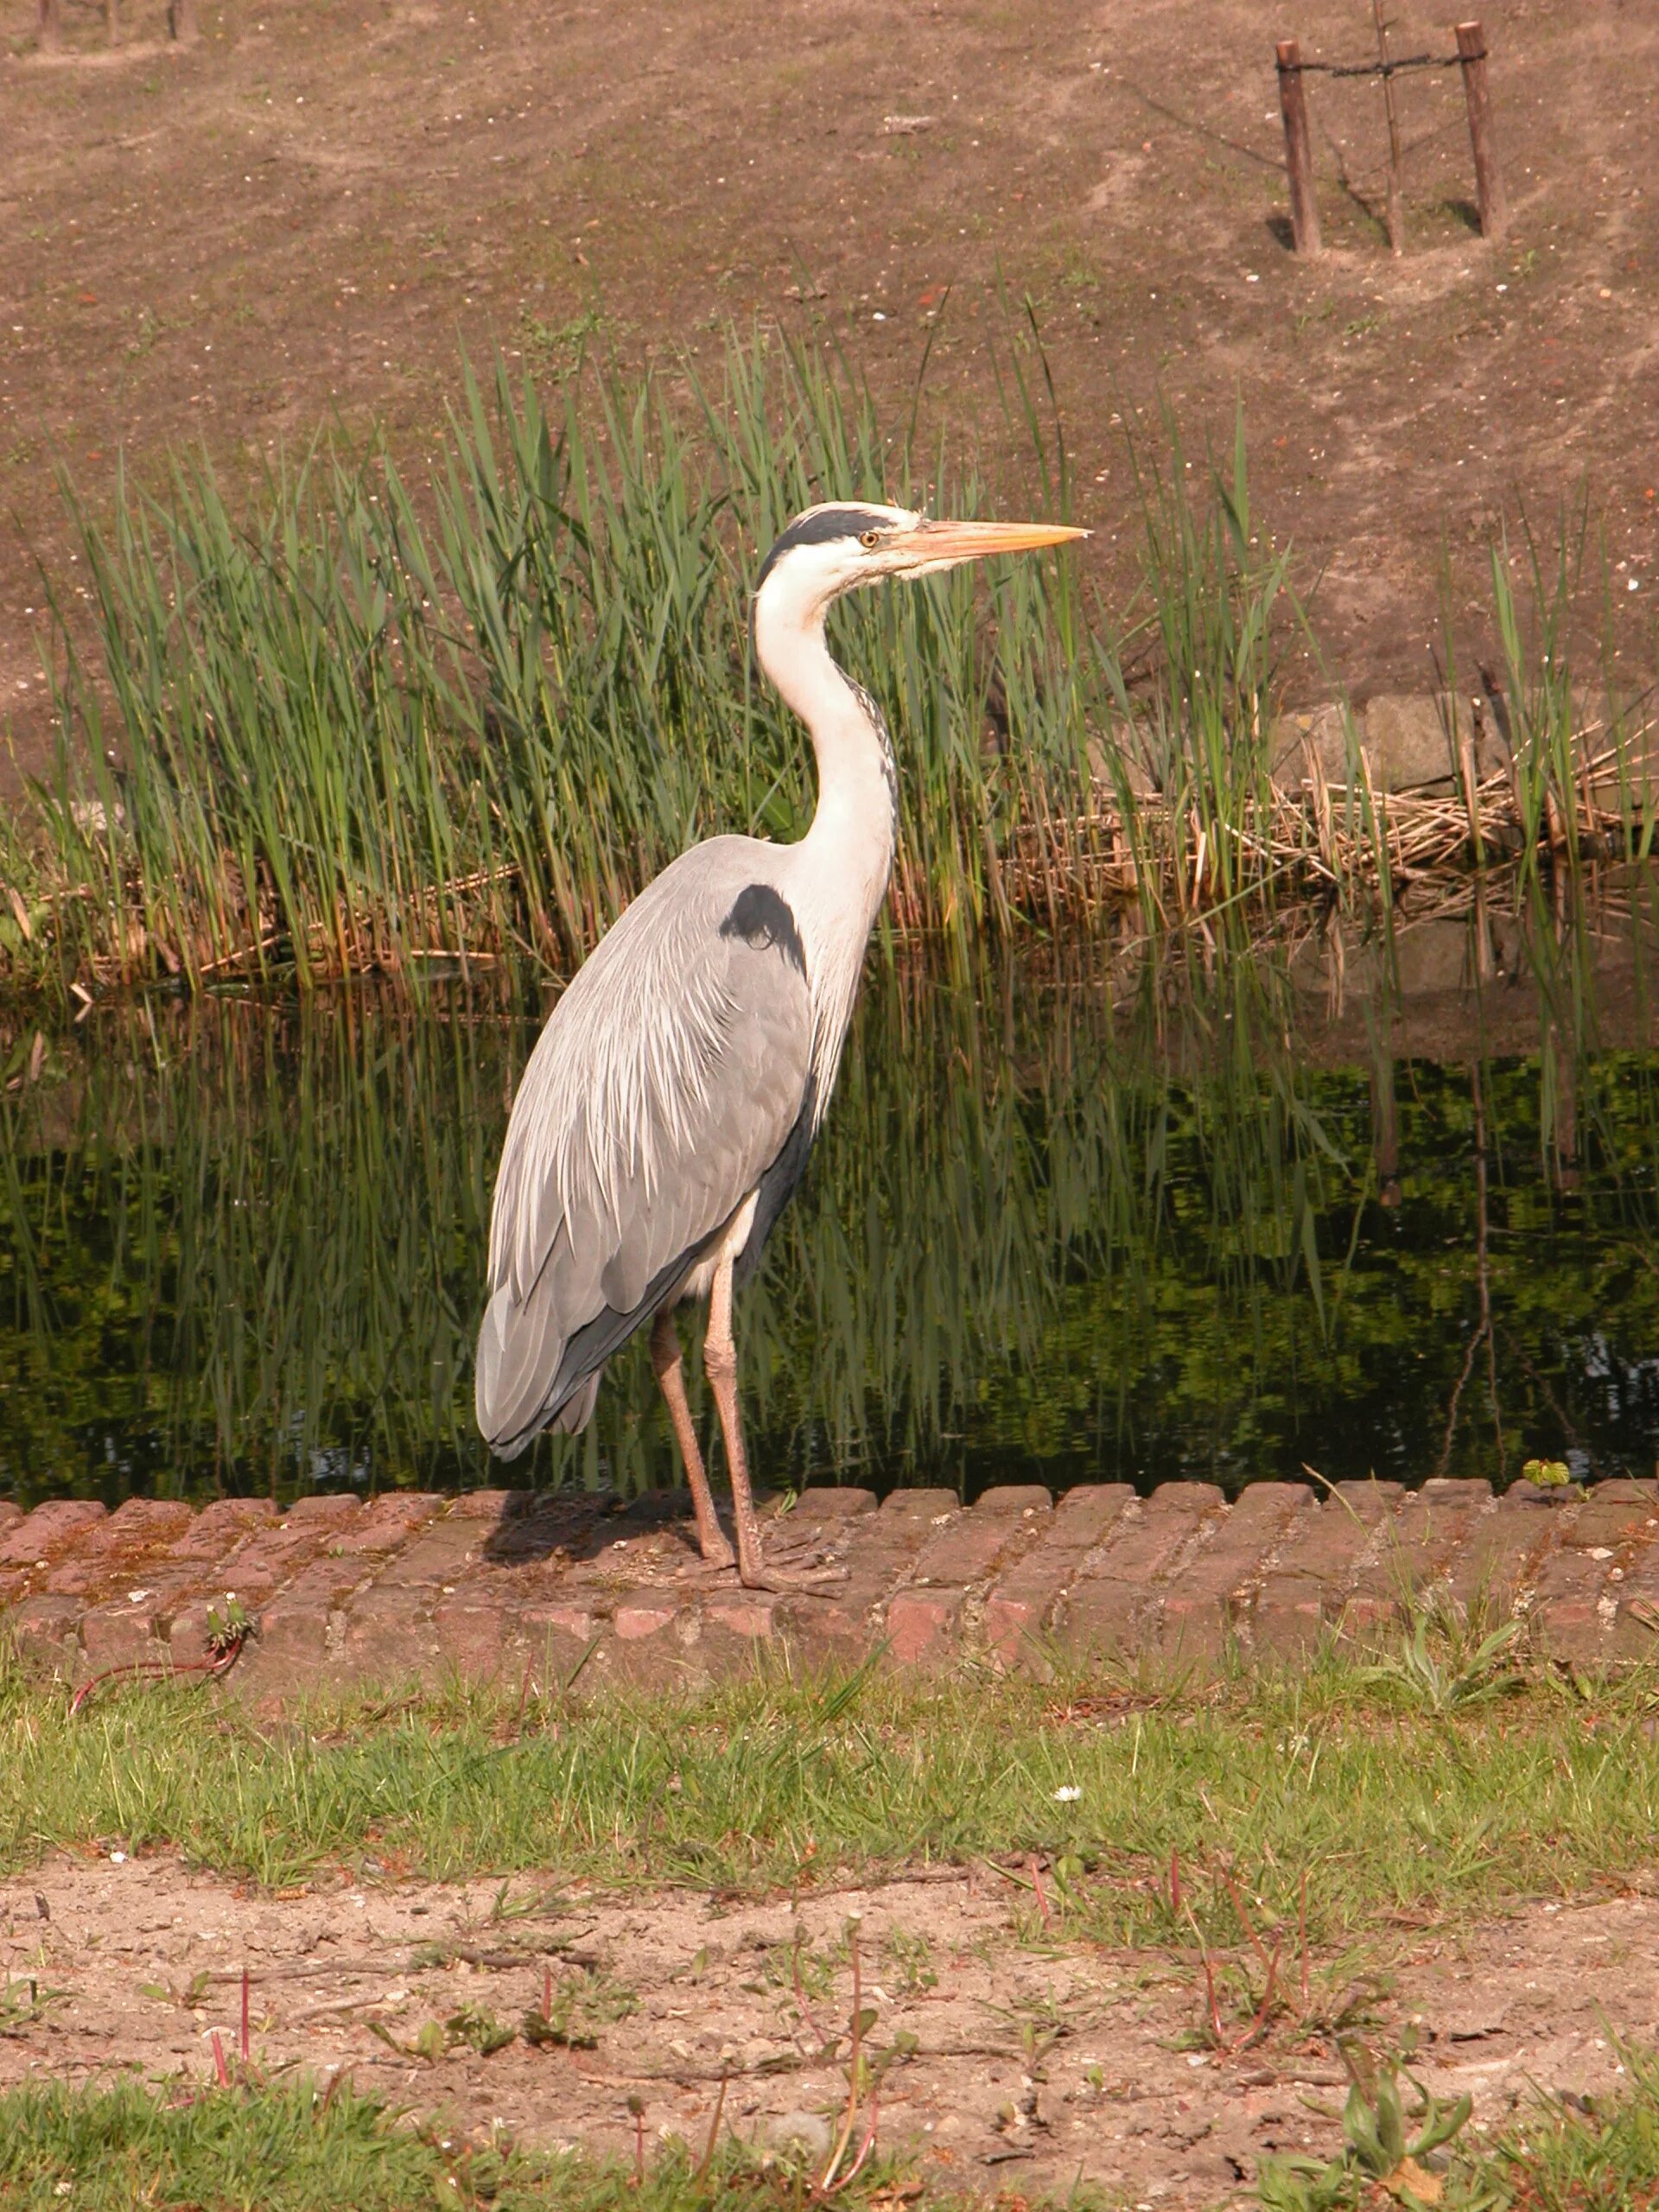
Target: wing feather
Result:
[667, 1081]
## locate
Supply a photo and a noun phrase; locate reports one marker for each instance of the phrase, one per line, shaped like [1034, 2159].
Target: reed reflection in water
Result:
[1164, 1216]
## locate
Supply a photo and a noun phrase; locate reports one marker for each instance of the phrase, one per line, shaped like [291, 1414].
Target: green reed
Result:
[369, 722]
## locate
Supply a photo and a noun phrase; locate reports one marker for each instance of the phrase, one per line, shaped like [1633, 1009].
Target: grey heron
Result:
[668, 1108]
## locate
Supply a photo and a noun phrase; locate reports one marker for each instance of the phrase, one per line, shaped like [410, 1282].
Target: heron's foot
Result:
[787, 1581]
[716, 1551]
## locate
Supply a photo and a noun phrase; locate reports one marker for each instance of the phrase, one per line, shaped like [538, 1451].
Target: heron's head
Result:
[834, 549]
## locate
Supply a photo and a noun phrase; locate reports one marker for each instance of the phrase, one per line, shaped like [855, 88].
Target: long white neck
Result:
[838, 872]
[852, 831]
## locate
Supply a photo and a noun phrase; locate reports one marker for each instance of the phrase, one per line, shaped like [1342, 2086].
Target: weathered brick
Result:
[490, 1506]
[1083, 1515]
[116, 1636]
[443, 1552]
[919, 1624]
[138, 1523]
[1027, 1596]
[1305, 1590]
[1119, 1594]
[43, 1631]
[262, 1562]
[1610, 1520]
[472, 1638]
[968, 1550]
[328, 1510]
[1636, 1624]
[217, 1529]
[829, 1502]
[748, 1613]
[1580, 1589]
[647, 1614]
[1503, 1552]
[1143, 1543]
[1566, 1613]
[387, 1523]
[1016, 1498]
[387, 1633]
[1415, 1549]
[919, 1504]
[48, 1530]
[292, 1643]
[119, 1549]
[1205, 1602]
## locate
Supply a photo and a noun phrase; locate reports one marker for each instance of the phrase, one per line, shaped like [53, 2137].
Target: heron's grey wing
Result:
[668, 1080]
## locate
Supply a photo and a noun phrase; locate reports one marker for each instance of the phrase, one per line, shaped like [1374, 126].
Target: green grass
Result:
[1340, 1792]
[289, 2146]
[1552, 2158]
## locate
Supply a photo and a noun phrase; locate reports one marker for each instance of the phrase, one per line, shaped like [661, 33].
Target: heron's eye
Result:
[869, 539]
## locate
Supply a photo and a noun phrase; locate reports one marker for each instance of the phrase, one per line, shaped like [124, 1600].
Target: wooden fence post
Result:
[1489, 182]
[45, 32]
[1298, 150]
[180, 20]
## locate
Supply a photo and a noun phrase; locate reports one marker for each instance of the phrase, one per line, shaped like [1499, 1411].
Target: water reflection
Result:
[1165, 1212]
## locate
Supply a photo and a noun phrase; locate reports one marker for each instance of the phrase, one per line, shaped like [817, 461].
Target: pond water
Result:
[1135, 1214]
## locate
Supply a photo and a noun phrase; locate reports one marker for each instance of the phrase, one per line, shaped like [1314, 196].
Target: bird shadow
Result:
[534, 1526]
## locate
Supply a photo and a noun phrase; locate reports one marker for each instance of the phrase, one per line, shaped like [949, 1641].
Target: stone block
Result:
[919, 1624]
[471, 1638]
[1027, 1596]
[647, 1614]
[1145, 1542]
[1023, 1498]
[120, 1635]
[49, 1529]
[43, 1630]
[827, 1501]
[1206, 1601]
[490, 1506]
[328, 1510]
[750, 1614]
[216, 1531]
[968, 1547]
[1404, 738]
[386, 1523]
[927, 1506]
[1502, 1553]
[138, 1523]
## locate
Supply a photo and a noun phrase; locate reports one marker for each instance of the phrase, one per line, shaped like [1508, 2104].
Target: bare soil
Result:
[310, 210]
[1032, 2059]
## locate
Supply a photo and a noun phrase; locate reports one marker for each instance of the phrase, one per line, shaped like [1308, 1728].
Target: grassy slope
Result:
[1348, 1784]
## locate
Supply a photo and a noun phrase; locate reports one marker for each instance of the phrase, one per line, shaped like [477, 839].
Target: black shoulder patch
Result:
[829, 523]
[763, 920]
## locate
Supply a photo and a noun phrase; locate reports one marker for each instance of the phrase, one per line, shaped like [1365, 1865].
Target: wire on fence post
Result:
[1489, 182]
[1298, 150]
[1396, 205]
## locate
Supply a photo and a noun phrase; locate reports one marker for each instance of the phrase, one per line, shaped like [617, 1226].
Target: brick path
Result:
[496, 1581]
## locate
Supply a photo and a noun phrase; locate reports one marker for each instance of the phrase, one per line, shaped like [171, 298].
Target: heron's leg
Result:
[720, 1363]
[670, 1375]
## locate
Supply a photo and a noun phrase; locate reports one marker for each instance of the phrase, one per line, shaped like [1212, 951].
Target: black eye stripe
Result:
[820, 529]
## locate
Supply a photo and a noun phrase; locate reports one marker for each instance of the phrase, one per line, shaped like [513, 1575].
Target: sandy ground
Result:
[1016, 2059]
[304, 216]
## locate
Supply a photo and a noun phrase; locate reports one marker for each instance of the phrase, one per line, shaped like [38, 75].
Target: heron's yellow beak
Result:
[973, 541]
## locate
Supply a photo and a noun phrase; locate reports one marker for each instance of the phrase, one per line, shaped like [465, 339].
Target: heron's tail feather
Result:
[520, 1349]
